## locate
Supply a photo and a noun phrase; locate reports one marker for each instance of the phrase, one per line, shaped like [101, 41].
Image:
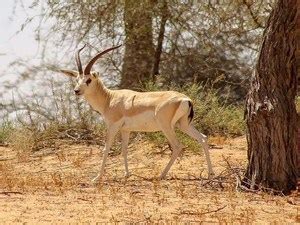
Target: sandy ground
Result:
[54, 186]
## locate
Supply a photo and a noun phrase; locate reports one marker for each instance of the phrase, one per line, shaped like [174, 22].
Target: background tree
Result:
[271, 113]
[298, 79]
[200, 40]
[139, 47]
[212, 43]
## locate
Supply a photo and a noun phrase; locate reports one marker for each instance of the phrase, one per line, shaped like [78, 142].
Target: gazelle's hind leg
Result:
[176, 147]
[190, 130]
[167, 115]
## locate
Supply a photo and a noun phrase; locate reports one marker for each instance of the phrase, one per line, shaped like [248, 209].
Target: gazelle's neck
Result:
[99, 97]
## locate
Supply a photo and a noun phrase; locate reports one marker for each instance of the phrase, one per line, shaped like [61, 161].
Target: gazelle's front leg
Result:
[111, 133]
[125, 139]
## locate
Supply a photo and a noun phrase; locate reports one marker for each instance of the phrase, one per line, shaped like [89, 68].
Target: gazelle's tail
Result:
[191, 114]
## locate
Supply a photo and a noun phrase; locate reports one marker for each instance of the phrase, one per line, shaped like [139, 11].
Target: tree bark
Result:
[139, 48]
[270, 106]
[298, 81]
[298, 46]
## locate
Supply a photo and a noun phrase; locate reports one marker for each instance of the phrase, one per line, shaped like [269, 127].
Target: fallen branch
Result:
[200, 213]
[10, 192]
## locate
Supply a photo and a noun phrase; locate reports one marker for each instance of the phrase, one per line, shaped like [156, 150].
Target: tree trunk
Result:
[160, 39]
[298, 47]
[298, 81]
[139, 49]
[270, 106]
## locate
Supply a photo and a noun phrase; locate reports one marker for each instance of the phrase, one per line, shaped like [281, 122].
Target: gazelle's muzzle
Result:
[77, 92]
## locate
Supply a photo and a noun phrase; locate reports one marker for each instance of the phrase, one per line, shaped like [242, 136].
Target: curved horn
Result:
[78, 61]
[88, 68]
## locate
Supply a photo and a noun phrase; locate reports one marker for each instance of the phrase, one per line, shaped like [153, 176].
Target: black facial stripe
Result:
[88, 81]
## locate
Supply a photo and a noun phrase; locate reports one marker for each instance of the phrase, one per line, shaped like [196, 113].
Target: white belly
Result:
[144, 122]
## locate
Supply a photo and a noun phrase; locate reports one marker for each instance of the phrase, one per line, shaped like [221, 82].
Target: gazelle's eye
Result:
[88, 81]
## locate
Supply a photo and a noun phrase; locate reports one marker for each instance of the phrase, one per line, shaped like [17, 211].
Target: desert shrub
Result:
[23, 142]
[28, 139]
[213, 114]
[5, 130]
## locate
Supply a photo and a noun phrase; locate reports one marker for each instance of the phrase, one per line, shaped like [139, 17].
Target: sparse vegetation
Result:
[58, 183]
[6, 129]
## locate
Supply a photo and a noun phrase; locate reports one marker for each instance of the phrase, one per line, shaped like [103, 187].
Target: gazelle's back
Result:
[142, 111]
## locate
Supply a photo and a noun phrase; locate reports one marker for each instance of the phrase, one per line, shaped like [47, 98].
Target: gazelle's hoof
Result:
[127, 175]
[211, 175]
[96, 179]
[162, 177]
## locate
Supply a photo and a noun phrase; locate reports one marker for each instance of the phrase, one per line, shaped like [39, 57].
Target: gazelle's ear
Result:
[95, 74]
[71, 73]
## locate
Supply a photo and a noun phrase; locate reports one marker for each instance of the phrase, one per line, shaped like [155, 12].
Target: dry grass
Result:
[54, 185]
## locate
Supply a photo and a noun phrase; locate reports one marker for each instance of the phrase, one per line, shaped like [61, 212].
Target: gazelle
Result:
[127, 111]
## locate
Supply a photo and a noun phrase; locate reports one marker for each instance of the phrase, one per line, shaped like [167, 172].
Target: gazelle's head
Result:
[85, 79]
